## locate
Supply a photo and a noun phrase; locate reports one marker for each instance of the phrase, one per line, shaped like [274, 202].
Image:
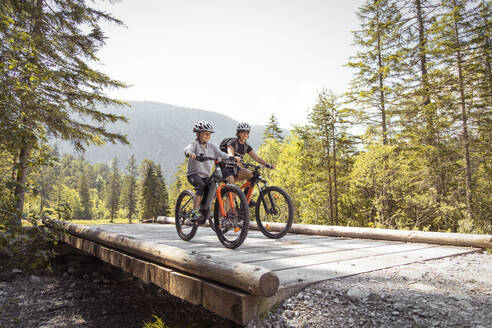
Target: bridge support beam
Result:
[224, 301]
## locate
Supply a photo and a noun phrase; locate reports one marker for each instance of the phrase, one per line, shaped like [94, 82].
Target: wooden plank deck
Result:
[297, 260]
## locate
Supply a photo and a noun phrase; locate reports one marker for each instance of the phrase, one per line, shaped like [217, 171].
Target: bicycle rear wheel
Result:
[182, 212]
[232, 228]
[274, 212]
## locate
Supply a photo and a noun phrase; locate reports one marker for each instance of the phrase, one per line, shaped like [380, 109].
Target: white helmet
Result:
[203, 126]
[243, 127]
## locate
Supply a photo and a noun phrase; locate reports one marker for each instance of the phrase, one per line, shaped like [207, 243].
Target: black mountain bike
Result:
[274, 210]
[230, 211]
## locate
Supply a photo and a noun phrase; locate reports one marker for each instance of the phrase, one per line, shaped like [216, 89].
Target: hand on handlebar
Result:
[191, 155]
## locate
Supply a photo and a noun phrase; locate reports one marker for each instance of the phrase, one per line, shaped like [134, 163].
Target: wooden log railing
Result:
[412, 236]
[245, 277]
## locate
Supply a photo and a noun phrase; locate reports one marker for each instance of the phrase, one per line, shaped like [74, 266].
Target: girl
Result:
[198, 171]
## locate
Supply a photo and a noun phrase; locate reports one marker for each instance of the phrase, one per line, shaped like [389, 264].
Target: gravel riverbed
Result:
[83, 292]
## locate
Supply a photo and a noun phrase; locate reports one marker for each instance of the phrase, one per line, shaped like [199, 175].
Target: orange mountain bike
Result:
[274, 210]
[230, 212]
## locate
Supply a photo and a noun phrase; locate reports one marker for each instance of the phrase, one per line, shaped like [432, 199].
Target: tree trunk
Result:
[464, 118]
[327, 148]
[335, 189]
[381, 86]
[21, 181]
[25, 149]
[382, 104]
[428, 112]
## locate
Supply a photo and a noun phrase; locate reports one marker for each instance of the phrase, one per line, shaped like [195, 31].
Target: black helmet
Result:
[203, 126]
[243, 127]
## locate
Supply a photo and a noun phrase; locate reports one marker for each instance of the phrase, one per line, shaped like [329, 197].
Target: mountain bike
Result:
[274, 210]
[230, 212]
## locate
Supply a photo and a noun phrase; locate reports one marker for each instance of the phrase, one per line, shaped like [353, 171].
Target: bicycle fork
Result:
[221, 204]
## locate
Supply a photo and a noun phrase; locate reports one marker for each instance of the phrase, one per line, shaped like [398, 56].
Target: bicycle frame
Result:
[221, 202]
[211, 193]
[252, 183]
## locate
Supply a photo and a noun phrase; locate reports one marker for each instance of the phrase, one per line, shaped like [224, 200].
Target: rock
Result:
[419, 323]
[73, 285]
[303, 324]
[422, 287]
[374, 297]
[460, 297]
[465, 304]
[71, 270]
[395, 313]
[106, 281]
[411, 274]
[65, 275]
[16, 271]
[289, 314]
[356, 295]
[35, 279]
[85, 277]
[399, 306]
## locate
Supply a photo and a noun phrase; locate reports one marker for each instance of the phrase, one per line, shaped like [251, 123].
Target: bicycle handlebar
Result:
[256, 167]
[205, 158]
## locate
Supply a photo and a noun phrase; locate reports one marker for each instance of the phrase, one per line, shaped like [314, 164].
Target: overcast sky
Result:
[244, 58]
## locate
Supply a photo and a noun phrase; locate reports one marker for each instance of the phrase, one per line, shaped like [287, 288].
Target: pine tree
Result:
[113, 190]
[130, 191]
[378, 64]
[318, 137]
[149, 191]
[84, 197]
[272, 130]
[163, 208]
[56, 81]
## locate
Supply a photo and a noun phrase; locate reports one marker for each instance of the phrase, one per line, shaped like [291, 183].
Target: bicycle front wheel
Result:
[274, 212]
[232, 228]
[182, 212]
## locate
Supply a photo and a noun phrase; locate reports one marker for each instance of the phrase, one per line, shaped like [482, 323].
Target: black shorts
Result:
[228, 170]
[198, 182]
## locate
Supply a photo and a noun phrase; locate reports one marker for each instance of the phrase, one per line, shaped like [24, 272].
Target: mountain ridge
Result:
[159, 131]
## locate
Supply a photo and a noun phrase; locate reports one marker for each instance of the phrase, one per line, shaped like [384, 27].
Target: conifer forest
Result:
[407, 146]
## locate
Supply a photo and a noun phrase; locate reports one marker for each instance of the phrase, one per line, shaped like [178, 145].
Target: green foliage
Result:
[46, 84]
[272, 130]
[26, 248]
[129, 193]
[154, 197]
[113, 190]
[158, 323]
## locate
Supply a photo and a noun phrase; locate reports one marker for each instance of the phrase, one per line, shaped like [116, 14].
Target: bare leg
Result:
[196, 202]
[244, 174]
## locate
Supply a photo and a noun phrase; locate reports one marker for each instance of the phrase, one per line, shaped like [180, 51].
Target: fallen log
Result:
[411, 236]
[249, 278]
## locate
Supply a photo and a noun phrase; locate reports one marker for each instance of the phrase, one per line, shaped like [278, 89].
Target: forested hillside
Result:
[408, 145]
[158, 132]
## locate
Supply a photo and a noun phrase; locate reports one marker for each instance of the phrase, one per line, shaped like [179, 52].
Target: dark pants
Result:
[197, 182]
[228, 170]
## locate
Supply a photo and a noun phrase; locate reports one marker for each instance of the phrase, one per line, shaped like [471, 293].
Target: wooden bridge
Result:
[242, 284]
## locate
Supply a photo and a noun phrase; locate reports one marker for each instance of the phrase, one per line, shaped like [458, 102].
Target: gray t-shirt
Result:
[207, 150]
